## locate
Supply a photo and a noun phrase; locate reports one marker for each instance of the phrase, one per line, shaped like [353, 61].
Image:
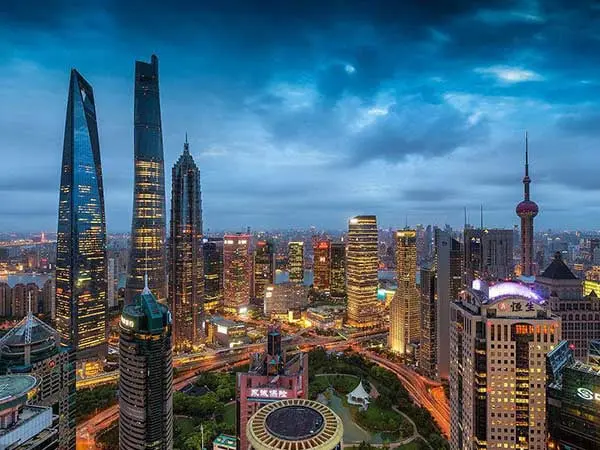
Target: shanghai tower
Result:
[186, 274]
[148, 240]
[81, 242]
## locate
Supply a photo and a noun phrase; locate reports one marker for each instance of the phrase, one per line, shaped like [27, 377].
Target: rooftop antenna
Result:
[186, 145]
[29, 321]
[465, 209]
[481, 216]
[146, 288]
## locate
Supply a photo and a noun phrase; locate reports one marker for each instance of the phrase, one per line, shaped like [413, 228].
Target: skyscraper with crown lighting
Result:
[527, 210]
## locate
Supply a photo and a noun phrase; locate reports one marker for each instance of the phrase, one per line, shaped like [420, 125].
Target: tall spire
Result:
[186, 145]
[526, 179]
[146, 289]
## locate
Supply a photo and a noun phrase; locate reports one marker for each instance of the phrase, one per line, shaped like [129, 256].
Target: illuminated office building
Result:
[499, 339]
[527, 210]
[573, 394]
[145, 375]
[428, 342]
[237, 269]
[405, 308]
[322, 265]
[361, 272]
[271, 377]
[264, 268]
[580, 314]
[212, 250]
[488, 254]
[81, 239]
[296, 262]
[148, 234]
[448, 266]
[186, 274]
[33, 348]
[338, 270]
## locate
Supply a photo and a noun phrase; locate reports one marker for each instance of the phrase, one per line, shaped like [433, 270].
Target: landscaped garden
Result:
[381, 418]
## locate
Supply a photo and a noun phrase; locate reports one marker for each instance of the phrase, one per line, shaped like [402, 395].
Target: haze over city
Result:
[307, 114]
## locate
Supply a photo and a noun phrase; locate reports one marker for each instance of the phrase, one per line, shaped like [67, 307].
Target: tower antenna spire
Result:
[186, 145]
[146, 288]
[526, 154]
[481, 216]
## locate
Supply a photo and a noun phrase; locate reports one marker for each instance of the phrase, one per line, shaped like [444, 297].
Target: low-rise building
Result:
[225, 332]
[224, 442]
[325, 317]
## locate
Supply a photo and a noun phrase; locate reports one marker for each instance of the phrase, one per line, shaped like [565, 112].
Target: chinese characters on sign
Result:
[268, 393]
[516, 306]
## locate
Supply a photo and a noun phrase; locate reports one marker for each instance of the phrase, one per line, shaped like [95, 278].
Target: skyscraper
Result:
[264, 268]
[448, 265]
[145, 375]
[237, 273]
[488, 254]
[428, 342]
[338, 270]
[322, 265]
[296, 262]
[186, 274]
[33, 348]
[499, 340]
[405, 308]
[527, 210]
[361, 270]
[148, 234]
[212, 250]
[81, 240]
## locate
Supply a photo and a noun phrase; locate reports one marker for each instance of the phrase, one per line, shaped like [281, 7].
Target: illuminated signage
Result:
[268, 393]
[586, 394]
[221, 329]
[518, 308]
[127, 322]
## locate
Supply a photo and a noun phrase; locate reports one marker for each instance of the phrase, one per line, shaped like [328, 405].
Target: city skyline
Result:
[352, 101]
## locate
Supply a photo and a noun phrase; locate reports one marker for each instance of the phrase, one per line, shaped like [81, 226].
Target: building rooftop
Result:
[14, 389]
[226, 440]
[294, 424]
[558, 270]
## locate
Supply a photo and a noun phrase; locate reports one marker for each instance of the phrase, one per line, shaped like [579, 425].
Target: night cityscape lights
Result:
[322, 286]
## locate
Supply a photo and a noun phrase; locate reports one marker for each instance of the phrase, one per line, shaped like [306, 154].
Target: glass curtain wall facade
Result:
[212, 250]
[186, 275]
[81, 240]
[361, 269]
[296, 262]
[148, 237]
[264, 269]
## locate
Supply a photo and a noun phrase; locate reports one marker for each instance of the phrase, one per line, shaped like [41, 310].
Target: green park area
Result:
[389, 415]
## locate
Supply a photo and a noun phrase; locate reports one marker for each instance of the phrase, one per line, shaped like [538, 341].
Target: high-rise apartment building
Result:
[527, 210]
[488, 254]
[145, 375]
[81, 238]
[405, 323]
[338, 270]
[148, 228]
[580, 314]
[33, 348]
[428, 342]
[186, 272]
[361, 272]
[264, 268]
[212, 250]
[448, 266]
[499, 340]
[237, 271]
[322, 265]
[296, 262]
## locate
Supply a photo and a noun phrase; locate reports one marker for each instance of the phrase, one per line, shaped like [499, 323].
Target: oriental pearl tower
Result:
[527, 210]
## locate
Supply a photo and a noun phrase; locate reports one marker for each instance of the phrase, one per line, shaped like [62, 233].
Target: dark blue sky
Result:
[307, 112]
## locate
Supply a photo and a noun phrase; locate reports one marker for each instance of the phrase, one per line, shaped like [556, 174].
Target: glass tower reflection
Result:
[81, 248]
[148, 223]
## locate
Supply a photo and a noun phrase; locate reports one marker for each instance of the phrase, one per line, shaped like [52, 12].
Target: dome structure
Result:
[527, 208]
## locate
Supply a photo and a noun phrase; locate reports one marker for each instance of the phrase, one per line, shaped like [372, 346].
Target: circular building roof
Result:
[14, 389]
[294, 424]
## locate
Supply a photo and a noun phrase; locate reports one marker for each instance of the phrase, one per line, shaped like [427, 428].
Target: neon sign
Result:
[269, 393]
[586, 394]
